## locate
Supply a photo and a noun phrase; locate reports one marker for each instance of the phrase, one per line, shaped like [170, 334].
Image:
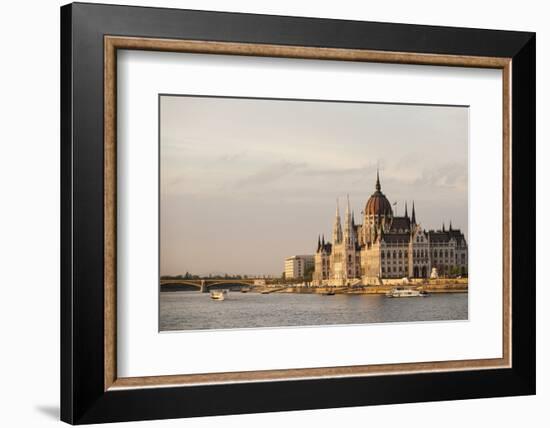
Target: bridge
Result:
[204, 284]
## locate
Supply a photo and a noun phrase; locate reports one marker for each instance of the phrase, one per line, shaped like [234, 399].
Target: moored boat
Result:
[405, 292]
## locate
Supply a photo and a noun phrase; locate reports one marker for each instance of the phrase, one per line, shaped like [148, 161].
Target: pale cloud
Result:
[271, 173]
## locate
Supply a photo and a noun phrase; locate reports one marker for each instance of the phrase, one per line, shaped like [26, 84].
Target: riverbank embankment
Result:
[435, 286]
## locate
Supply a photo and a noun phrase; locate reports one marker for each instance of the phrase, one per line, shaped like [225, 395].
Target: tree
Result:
[308, 273]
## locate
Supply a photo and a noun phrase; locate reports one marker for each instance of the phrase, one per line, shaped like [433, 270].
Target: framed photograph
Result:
[266, 213]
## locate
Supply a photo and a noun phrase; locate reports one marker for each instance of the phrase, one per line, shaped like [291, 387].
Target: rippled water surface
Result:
[192, 310]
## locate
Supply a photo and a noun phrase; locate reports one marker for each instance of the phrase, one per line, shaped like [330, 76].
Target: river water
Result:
[193, 310]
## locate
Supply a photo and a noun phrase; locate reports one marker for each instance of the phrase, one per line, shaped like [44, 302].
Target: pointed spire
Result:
[406, 213]
[347, 206]
[353, 218]
[443, 226]
[318, 243]
[337, 229]
[413, 218]
[323, 241]
[450, 225]
[378, 187]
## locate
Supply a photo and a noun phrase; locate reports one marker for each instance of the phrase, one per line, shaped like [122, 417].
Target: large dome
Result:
[378, 204]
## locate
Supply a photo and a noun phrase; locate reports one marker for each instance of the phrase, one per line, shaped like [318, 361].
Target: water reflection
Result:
[191, 310]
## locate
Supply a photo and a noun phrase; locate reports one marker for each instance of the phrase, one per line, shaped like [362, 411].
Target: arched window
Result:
[394, 254]
[349, 258]
[440, 253]
[446, 253]
[400, 254]
[383, 254]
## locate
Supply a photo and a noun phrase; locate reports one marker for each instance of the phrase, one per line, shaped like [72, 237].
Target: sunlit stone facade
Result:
[386, 246]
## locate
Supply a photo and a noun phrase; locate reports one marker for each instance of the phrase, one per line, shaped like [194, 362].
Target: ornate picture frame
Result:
[92, 391]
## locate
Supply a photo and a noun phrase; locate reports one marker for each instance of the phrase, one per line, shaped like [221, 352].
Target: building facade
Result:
[297, 266]
[386, 246]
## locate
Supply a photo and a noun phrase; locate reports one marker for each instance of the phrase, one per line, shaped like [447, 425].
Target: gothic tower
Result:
[337, 229]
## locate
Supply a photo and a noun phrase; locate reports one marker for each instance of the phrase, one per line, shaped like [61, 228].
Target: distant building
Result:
[297, 266]
[385, 246]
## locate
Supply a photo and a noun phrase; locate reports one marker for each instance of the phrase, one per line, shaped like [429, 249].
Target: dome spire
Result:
[378, 205]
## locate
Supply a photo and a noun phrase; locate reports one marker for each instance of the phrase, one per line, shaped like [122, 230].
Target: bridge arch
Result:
[230, 282]
[169, 283]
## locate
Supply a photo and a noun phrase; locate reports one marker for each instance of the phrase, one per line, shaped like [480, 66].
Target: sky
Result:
[245, 183]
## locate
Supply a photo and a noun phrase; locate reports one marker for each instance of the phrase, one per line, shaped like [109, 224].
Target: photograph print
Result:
[295, 213]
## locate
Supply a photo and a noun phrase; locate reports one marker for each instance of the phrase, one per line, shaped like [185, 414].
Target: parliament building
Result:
[386, 246]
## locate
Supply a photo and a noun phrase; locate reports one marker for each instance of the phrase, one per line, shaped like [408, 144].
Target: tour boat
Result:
[217, 294]
[330, 292]
[405, 292]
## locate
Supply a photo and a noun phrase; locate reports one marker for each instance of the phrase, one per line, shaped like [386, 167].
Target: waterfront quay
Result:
[429, 286]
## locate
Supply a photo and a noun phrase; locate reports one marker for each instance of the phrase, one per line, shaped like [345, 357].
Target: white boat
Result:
[405, 292]
[218, 294]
